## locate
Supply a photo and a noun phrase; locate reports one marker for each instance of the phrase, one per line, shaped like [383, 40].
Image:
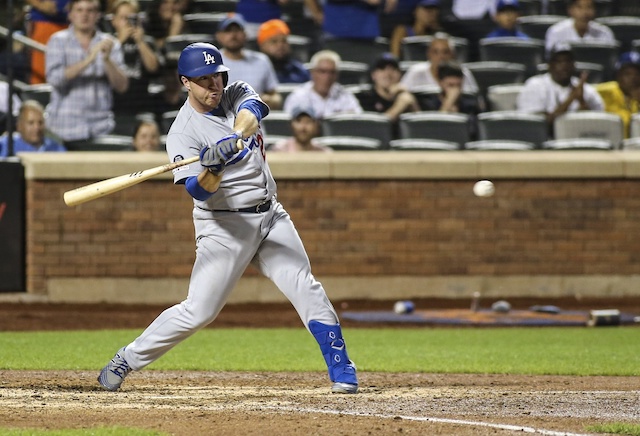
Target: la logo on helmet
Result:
[209, 59]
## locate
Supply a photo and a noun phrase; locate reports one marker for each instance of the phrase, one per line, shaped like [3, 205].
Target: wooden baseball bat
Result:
[109, 186]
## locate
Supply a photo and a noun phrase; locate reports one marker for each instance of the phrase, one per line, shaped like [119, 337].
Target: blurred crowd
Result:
[110, 66]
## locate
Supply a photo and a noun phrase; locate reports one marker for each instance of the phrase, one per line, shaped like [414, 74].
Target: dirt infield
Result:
[204, 403]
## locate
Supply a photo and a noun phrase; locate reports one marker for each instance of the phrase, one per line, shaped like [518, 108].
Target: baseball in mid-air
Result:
[484, 188]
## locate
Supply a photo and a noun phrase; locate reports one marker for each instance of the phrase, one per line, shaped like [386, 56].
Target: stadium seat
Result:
[415, 144]
[604, 8]
[513, 126]
[589, 125]
[597, 52]
[367, 125]
[353, 73]
[350, 143]
[126, 123]
[625, 29]
[503, 97]
[284, 89]
[204, 22]
[491, 73]
[107, 143]
[435, 125]
[277, 123]
[631, 143]
[536, 26]
[174, 44]
[500, 145]
[358, 50]
[166, 119]
[40, 93]
[578, 144]
[300, 47]
[634, 127]
[530, 7]
[414, 48]
[529, 52]
[213, 6]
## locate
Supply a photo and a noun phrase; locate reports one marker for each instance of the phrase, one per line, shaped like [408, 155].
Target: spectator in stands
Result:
[304, 127]
[451, 98]
[387, 95]
[250, 66]
[558, 91]
[84, 66]
[579, 26]
[472, 20]
[426, 21]
[441, 49]
[256, 12]
[146, 136]
[354, 19]
[272, 40]
[141, 61]
[30, 132]
[164, 18]
[323, 93]
[622, 95]
[506, 19]
[46, 17]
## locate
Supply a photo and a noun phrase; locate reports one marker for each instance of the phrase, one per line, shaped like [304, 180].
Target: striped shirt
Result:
[80, 108]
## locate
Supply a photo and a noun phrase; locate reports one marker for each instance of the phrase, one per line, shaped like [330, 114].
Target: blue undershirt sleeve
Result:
[258, 108]
[195, 190]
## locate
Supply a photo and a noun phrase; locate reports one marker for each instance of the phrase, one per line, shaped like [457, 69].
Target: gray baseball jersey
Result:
[248, 181]
[228, 241]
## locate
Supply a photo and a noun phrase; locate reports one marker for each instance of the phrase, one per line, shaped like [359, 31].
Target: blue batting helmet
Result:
[200, 59]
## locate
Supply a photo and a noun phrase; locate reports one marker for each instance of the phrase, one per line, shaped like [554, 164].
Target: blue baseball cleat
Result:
[342, 371]
[112, 375]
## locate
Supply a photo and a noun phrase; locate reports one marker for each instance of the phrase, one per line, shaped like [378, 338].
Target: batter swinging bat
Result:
[109, 186]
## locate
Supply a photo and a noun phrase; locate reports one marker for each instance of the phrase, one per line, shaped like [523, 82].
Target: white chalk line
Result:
[519, 428]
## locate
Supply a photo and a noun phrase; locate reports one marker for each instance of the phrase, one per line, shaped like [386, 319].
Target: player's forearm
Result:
[209, 181]
[246, 122]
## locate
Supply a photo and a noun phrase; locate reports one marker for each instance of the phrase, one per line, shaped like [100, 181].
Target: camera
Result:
[133, 19]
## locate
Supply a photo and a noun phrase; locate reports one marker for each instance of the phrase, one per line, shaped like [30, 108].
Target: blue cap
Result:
[429, 3]
[628, 58]
[507, 4]
[233, 18]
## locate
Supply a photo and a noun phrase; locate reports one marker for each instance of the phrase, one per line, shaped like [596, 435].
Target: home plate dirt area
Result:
[229, 403]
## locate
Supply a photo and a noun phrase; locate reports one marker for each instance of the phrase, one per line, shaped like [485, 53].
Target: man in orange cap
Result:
[272, 40]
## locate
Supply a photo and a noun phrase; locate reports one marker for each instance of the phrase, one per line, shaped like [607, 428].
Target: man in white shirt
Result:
[441, 50]
[323, 94]
[578, 27]
[559, 91]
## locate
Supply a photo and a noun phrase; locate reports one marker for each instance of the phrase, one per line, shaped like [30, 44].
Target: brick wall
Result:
[354, 227]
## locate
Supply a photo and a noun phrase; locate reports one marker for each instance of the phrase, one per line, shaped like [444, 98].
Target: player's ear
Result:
[185, 82]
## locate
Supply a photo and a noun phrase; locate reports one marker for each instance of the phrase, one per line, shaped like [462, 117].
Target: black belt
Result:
[260, 208]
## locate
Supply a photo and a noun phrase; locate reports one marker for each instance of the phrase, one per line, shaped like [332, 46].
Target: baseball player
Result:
[238, 221]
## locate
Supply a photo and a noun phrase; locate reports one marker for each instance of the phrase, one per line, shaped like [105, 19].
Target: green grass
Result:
[561, 351]
[616, 428]
[97, 431]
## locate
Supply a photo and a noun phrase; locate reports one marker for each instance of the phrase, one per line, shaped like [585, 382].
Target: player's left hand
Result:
[228, 145]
